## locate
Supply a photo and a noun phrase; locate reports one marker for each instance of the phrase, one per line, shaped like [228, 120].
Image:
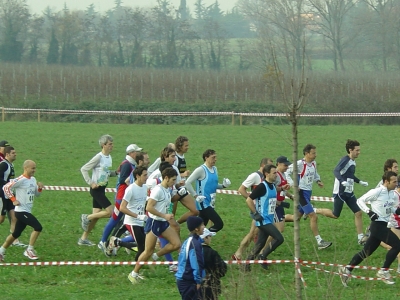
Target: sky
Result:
[37, 6]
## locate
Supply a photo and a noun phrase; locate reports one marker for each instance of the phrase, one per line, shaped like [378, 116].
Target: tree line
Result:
[352, 34]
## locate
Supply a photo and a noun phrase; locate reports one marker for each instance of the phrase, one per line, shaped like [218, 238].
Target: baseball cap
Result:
[133, 148]
[283, 160]
[193, 222]
[4, 144]
[207, 233]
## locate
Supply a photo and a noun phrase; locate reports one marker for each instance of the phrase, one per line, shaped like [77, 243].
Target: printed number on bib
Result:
[350, 188]
[212, 203]
[272, 206]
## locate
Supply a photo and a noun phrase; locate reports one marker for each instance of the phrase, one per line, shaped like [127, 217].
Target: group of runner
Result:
[147, 198]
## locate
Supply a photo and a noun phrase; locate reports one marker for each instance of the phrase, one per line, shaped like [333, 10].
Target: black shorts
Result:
[25, 219]
[7, 206]
[99, 197]
[347, 198]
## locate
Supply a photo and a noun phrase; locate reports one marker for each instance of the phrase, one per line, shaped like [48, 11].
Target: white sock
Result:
[360, 236]
[2, 250]
[155, 256]
[134, 274]
[30, 247]
[318, 238]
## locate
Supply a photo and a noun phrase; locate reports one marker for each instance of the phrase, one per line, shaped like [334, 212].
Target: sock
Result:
[2, 250]
[318, 238]
[30, 247]
[155, 256]
[360, 236]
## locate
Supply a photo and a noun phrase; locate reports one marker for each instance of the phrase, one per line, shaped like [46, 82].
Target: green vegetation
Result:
[60, 149]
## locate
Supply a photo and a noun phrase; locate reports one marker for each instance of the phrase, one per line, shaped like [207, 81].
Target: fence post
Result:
[233, 118]
[241, 119]
[38, 116]
[2, 114]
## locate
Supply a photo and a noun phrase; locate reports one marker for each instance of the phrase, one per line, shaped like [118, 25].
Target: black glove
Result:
[285, 204]
[257, 217]
[397, 212]
[373, 216]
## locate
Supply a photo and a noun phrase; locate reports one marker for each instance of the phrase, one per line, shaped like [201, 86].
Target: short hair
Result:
[180, 140]
[139, 171]
[208, 153]
[8, 149]
[164, 165]
[387, 175]
[166, 152]
[351, 144]
[265, 161]
[169, 172]
[267, 168]
[389, 164]
[308, 148]
[139, 156]
[104, 139]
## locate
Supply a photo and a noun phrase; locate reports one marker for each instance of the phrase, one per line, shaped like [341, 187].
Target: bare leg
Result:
[33, 238]
[326, 212]
[247, 240]
[189, 203]
[174, 242]
[358, 222]
[149, 245]
[314, 223]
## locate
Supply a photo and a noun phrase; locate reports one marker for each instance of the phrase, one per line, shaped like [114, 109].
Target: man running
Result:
[384, 203]
[307, 175]
[343, 189]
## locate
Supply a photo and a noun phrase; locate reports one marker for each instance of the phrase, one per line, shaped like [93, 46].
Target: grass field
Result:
[60, 149]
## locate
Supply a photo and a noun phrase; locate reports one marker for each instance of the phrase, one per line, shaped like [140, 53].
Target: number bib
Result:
[350, 188]
[272, 206]
[212, 202]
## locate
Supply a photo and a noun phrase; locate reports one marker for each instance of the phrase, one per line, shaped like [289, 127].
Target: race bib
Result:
[272, 206]
[212, 202]
[350, 188]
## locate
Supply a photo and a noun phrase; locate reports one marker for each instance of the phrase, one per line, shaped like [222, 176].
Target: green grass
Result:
[60, 149]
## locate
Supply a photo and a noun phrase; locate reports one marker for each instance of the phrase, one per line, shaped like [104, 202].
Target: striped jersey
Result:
[24, 190]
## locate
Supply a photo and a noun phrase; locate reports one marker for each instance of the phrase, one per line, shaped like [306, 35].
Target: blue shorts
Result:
[305, 206]
[155, 226]
[279, 214]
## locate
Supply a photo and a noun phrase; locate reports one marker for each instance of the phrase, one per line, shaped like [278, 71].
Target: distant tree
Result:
[70, 32]
[52, 54]
[14, 20]
[35, 34]
[199, 10]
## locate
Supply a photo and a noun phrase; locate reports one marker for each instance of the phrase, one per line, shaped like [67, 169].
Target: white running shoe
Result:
[173, 268]
[385, 276]
[154, 256]
[18, 243]
[343, 273]
[85, 242]
[31, 254]
[85, 222]
[135, 279]
[102, 246]
[323, 245]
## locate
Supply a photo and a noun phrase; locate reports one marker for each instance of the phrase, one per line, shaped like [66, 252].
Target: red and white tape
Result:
[113, 190]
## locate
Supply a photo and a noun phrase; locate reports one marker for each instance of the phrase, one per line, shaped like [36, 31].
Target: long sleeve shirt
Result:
[191, 261]
[345, 171]
[100, 166]
[383, 202]
[24, 190]
[307, 174]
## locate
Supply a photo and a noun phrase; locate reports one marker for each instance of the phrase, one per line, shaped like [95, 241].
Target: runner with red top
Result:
[25, 190]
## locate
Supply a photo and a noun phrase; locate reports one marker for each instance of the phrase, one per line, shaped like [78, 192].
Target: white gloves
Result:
[363, 183]
[226, 183]
[142, 217]
[182, 191]
[200, 198]
[346, 184]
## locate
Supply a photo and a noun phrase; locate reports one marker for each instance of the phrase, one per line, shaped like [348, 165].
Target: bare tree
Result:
[330, 22]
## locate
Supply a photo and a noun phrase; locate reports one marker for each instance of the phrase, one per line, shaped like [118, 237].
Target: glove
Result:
[285, 204]
[182, 191]
[257, 217]
[226, 183]
[397, 212]
[142, 217]
[373, 216]
[346, 184]
[200, 198]
[363, 183]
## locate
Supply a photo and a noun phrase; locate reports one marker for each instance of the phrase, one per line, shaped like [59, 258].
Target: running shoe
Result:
[31, 254]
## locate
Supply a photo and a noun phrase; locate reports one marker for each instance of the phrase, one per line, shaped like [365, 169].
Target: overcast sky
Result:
[37, 6]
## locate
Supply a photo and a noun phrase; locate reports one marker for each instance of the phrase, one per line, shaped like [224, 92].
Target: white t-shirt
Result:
[253, 179]
[163, 198]
[136, 197]
[25, 189]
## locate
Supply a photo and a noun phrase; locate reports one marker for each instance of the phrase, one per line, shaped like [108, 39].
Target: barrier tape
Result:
[190, 113]
[297, 266]
[113, 190]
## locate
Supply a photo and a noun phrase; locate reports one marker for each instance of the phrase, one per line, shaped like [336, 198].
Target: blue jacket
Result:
[191, 261]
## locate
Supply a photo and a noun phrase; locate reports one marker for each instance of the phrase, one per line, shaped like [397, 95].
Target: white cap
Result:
[207, 233]
[133, 148]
